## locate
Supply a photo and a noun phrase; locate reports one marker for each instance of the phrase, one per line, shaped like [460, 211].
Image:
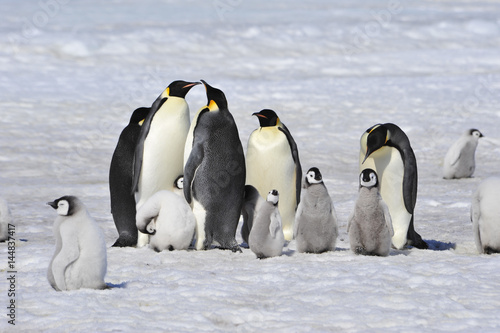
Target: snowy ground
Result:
[71, 73]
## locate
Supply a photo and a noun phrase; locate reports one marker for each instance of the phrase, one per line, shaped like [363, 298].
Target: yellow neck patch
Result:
[212, 106]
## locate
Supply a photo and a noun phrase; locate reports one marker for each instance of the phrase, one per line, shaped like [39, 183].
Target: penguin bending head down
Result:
[315, 227]
[80, 257]
[273, 162]
[266, 237]
[369, 226]
[386, 149]
[214, 174]
[158, 158]
[485, 216]
[459, 161]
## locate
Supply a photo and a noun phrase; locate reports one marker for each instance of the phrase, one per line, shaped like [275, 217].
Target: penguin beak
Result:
[191, 85]
[52, 204]
[259, 115]
[368, 153]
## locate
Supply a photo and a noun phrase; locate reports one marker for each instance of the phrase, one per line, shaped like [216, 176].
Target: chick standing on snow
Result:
[80, 257]
[266, 237]
[369, 226]
[4, 220]
[485, 216]
[169, 221]
[459, 161]
[315, 221]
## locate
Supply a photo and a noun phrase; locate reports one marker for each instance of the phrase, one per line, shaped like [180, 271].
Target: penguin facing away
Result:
[485, 216]
[273, 162]
[252, 203]
[79, 260]
[214, 174]
[370, 226]
[120, 180]
[459, 161]
[158, 158]
[169, 221]
[386, 149]
[5, 220]
[266, 237]
[315, 228]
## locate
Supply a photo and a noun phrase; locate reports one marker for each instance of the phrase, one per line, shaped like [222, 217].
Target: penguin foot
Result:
[125, 240]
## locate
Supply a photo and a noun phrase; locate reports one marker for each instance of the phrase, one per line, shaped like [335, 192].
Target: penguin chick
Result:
[369, 226]
[315, 227]
[80, 257]
[459, 161]
[169, 221]
[252, 203]
[5, 220]
[266, 237]
[485, 216]
[179, 185]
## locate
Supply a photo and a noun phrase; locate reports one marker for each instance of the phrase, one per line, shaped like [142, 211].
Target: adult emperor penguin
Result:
[485, 216]
[273, 163]
[5, 220]
[159, 153]
[459, 161]
[315, 228]
[369, 226]
[214, 174]
[169, 220]
[266, 237]
[120, 180]
[80, 257]
[386, 149]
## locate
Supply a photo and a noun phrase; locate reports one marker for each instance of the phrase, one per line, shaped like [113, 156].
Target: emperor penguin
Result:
[80, 257]
[273, 162]
[159, 153]
[120, 180]
[169, 221]
[370, 226]
[214, 174]
[252, 203]
[386, 149]
[266, 237]
[459, 161]
[315, 228]
[5, 220]
[485, 216]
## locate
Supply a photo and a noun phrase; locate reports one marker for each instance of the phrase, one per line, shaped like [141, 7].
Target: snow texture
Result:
[72, 72]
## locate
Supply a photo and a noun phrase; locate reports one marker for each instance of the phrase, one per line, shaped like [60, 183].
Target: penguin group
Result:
[177, 184]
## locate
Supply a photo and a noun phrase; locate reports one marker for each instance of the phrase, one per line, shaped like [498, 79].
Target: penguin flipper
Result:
[139, 148]
[68, 254]
[192, 164]
[410, 180]
[295, 156]
[275, 225]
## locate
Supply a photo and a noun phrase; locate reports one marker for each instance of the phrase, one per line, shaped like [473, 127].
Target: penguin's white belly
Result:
[389, 167]
[200, 214]
[270, 166]
[163, 152]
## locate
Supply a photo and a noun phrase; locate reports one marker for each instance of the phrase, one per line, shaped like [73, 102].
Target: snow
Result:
[72, 72]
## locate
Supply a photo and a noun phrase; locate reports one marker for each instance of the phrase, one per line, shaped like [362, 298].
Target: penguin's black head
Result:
[273, 197]
[66, 205]
[313, 176]
[378, 136]
[368, 178]
[139, 115]
[180, 88]
[475, 133]
[267, 118]
[216, 100]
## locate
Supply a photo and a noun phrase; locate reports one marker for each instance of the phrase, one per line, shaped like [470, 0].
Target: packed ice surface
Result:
[72, 72]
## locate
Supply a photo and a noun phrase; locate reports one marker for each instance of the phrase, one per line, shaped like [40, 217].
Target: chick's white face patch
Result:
[371, 182]
[62, 208]
[311, 178]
